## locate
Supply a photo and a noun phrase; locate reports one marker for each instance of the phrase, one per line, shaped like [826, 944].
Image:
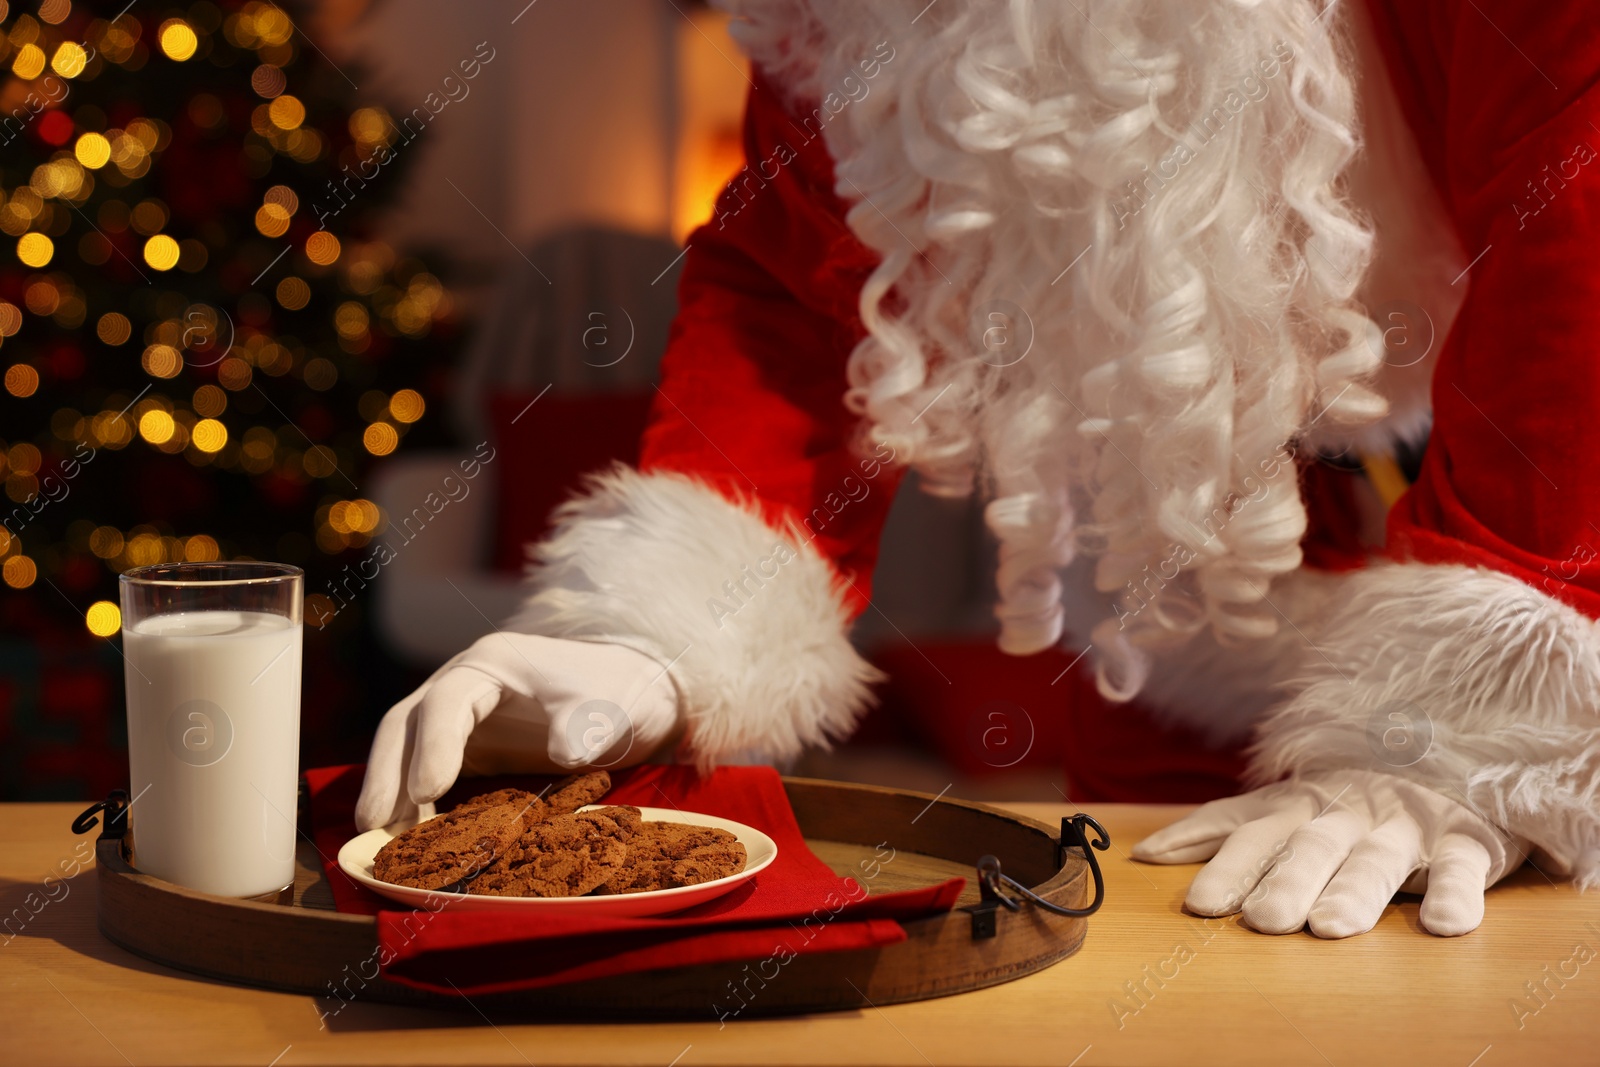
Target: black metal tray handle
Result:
[115, 806]
[991, 877]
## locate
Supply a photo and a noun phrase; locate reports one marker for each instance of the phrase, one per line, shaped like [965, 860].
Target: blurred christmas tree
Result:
[194, 366]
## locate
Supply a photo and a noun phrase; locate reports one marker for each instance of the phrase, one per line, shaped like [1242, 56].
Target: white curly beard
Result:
[1143, 193]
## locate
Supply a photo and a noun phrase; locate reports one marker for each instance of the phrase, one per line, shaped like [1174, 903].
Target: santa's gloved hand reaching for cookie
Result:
[516, 702]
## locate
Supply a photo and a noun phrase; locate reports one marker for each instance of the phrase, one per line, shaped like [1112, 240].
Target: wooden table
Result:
[1151, 985]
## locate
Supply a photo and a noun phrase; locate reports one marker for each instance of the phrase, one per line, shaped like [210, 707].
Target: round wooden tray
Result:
[304, 946]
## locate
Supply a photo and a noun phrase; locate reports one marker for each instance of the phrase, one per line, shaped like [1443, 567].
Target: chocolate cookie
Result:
[565, 855]
[707, 863]
[570, 794]
[563, 798]
[447, 848]
[499, 796]
[666, 855]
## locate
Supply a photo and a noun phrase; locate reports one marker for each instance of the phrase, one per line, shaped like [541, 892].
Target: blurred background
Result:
[271, 273]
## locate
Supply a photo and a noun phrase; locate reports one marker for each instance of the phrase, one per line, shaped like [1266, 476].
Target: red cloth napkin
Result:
[796, 905]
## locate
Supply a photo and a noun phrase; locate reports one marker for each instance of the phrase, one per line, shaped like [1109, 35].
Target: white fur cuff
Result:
[1465, 680]
[750, 621]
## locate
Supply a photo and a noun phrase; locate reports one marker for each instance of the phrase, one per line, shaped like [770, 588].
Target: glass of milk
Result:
[212, 656]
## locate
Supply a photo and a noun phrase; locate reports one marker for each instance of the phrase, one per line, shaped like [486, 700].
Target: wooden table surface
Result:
[1152, 985]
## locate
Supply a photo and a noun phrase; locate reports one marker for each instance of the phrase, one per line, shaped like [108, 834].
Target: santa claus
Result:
[1125, 269]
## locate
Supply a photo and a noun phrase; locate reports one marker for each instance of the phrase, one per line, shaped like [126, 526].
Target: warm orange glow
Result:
[21, 380]
[178, 39]
[35, 249]
[293, 293]
[209, 435]
[19, 572]
[380, 439]
[105, 541]
[209, 401]
[29, 63]
[407, 405]
[711, 94]
[161, 252]
[93, 150]
[156, 426]
[69, 60]
[201, 548]
[322, 248]
[272, 220]
[268, 81]
[103, 618]
[162, 361]
[286, 112]
[114, 328]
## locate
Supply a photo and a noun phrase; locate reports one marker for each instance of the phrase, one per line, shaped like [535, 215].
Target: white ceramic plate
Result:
[355, 858]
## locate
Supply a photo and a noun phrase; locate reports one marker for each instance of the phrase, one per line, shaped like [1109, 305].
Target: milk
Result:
[213, 748]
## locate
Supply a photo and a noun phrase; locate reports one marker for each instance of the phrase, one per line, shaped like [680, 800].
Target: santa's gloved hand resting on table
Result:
[1169, 289]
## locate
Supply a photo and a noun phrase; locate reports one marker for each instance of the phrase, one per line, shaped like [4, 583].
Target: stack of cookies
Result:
[513, 843]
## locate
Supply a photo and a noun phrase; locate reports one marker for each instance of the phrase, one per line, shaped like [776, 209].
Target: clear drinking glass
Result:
[213, 683]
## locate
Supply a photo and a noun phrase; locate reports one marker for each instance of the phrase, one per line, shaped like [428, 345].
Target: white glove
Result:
[516, 703]
[1331, 849]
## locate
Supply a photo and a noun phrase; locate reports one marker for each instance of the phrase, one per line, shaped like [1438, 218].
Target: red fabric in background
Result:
[545, 445]
[985, 712]
[1505, 98]
[490, 951]
[753, 378]
[1332, 541]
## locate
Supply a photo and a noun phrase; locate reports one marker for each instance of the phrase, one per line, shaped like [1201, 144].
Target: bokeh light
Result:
[148, 216]
[293, 293]
[371, 126]
[113, 328]
[93, 150]
[35, 249]
[284, 197]
[209, 435]
[103, 618]
[178, 40]
[268, 81]
[322, 248]
[209, 401]
[319, 461]
[29, 63]
[156, 426]
[161, 252]
[407, 405]
[358, 516]
[69, 60]
[42, 297]
[320, 374]
[162, 361]
[380, 439]
[287, 112]
[272, 220]
[145, 548]
[106, 542]
[233, 373]
[24, 457]
[19, 572]
[201, 548]
[21, 380]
